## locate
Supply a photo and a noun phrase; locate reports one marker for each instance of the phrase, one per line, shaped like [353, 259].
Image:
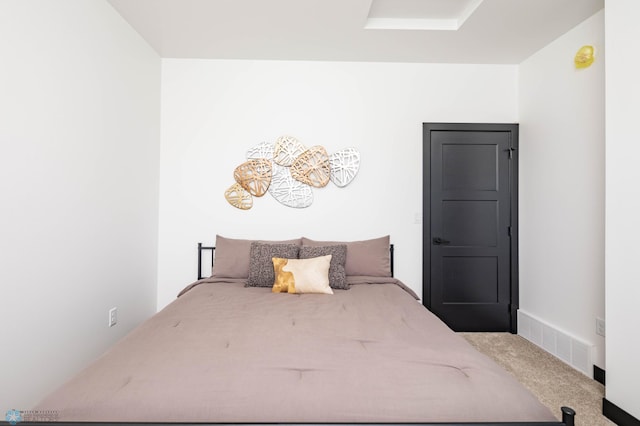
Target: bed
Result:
[226, 351]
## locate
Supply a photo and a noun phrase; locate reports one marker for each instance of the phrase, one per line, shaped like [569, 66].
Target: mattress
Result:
[223, 352]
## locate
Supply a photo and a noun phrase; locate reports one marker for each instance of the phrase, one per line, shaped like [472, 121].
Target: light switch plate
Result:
[113, 316]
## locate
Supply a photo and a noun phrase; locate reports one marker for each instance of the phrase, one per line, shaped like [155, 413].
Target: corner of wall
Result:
[79, 178]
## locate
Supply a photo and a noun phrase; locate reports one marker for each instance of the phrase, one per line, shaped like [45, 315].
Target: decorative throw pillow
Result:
[367, 257]
[260, 264]
[302, 275]
[232, 256]
[337, 275]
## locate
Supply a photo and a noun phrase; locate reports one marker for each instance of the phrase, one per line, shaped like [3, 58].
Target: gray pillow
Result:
[261, 272]
[337, 275]
[232, 256]
[367, 257]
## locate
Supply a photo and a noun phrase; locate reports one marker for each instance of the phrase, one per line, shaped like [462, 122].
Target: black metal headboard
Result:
[202, 248]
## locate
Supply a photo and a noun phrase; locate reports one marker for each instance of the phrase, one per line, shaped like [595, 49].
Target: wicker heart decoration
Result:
[312, 167]
[238, 197]
[286, 150]
[344, 166]
[262, 150]
[289, 172]
[288, 191]
[254, 176]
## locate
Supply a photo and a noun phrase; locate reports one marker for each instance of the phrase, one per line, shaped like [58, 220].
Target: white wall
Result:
[622, 204]
[214, 110]
[561, 114]
[79, 154]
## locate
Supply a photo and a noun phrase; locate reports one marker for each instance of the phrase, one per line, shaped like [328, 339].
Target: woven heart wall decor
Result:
[286, 150]
[238, 197]
[344, 166]
[288, 191]
[254, 176]
[312, 167]
[289, 172]
[262, 150]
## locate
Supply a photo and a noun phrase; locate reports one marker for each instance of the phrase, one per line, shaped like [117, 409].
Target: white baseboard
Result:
[571, 350]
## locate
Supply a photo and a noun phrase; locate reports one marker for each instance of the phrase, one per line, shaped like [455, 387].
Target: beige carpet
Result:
[551, 380]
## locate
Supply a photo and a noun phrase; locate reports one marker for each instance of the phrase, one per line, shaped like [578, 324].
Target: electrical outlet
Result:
[113, 316]
[600, 327]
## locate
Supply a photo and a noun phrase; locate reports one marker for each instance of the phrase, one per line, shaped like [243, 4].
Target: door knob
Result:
[439, 241]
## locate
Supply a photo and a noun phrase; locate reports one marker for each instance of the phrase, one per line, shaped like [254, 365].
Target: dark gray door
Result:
[470, 190]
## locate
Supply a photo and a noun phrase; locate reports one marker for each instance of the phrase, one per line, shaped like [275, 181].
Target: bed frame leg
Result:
[568, 416]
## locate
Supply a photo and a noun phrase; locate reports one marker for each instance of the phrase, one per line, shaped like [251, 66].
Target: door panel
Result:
[468, 195]
[470, 223]
[469, 279]
[469, 167]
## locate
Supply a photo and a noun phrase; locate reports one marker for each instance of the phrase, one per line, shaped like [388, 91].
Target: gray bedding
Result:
[225, 353]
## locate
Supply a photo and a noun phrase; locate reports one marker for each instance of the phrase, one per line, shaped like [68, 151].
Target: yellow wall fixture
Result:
[584, 57]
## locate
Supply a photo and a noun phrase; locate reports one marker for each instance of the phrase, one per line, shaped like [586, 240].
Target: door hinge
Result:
[509, 230]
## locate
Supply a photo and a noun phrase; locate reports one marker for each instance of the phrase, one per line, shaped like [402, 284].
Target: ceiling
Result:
[444, 31]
